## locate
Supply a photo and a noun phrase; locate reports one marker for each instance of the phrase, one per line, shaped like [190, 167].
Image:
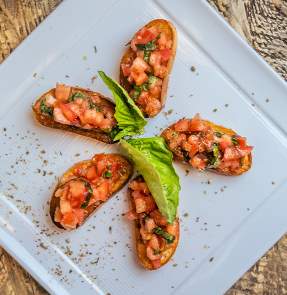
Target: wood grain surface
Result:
[263, 23]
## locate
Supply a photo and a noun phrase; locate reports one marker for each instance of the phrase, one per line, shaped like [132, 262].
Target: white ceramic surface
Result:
[230, 221]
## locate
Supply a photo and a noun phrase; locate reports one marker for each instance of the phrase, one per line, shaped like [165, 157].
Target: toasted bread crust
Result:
[93, 133]
[246, 161]
[141, 247]
[55, 201]
[168, 27]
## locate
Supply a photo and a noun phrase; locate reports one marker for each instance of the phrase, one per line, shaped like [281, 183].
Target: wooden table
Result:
[263, 23]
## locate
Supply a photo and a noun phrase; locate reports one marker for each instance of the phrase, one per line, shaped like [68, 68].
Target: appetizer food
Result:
[129, 117]
[156, 239]
[205, 145]
[146, 65]
[85, 186]
[89, 113]
[78, 110]
[154, 199]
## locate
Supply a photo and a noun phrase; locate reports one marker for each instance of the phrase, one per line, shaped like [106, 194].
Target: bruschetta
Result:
[78, 110]
[156, 239]
[205, 145]
[85, 186]
[146, 65]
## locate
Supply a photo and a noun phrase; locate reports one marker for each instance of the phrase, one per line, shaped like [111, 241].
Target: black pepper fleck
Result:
[192, 68]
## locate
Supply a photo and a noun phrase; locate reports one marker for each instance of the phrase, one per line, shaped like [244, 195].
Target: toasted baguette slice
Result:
[163, 26]
[245, 161]
[141, 245]
[102, 177]
[48, 120]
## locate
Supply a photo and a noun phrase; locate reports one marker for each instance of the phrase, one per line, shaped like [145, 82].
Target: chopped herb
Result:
[93, 105]
[152, 80]
[137, 92]
[146, 55]
[88, 196]
[234, 140]
[45, 109]
[214, 157]
[193, 69]
[160, 232]
[149, 46]
[76, 95]
[145, 87]
[95, 49]
[107, 174]
[218, 134]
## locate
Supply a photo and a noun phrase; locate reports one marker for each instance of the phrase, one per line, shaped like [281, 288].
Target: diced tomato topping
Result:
[165, 54]
[154, 243]
[139, 77]
[137, 71]
[155, 90]
[68, 113]
[245, 150]
[149, 225]
[241, 141]
[65, 206]
[77, 201]
[131, 215]
[126, 69]
[232, 164]
[139, 186]
[101, 166]
[150, 204]
[139, 65]
[103, 191]
[149, 104]
[69, 220]
[80, 214]
[92, 117]
[172, 229]
[233, 153]
[156, 263]
[142, 37]
[140, 205]
[91, 173]
[198, 162]
[150, 253]
[62, 92]
[58, 215]
[182, 125]
[158, 218]
[156, 62]
[225, 141]
[197, 125]
[77, 188]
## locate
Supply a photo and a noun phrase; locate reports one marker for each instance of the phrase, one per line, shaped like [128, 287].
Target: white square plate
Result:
[230, 221]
